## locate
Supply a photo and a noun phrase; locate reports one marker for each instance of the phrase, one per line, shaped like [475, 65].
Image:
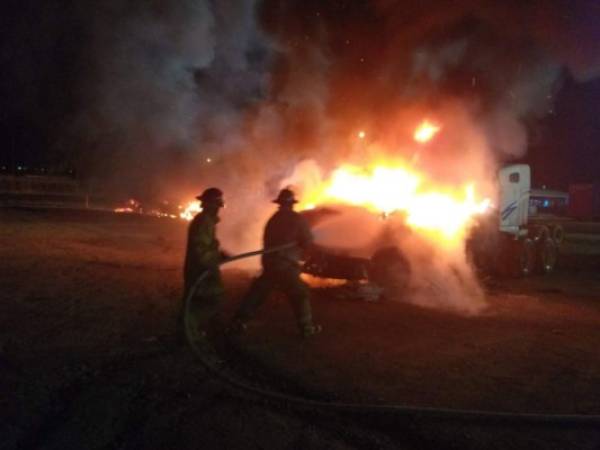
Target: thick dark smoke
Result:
[503, 60]
[171, 83]
[168, 85]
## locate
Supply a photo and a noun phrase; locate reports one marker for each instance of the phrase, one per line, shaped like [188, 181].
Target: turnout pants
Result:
[204, 304]
[287, 282]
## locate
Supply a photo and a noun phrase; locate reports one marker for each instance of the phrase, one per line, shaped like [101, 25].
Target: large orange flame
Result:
[188, 211]
[443, 213]
[385, 188]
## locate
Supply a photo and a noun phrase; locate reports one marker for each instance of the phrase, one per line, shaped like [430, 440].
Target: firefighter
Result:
[281, 270]
[204, 255]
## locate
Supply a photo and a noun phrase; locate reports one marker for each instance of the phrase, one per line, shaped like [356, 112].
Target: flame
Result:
[385, 188]
[190, 210]
[425, 131]
[132, 206]
[124, 210]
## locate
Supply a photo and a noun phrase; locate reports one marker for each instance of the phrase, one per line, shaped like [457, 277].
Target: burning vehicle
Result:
[387, 268]
[400, 208]
[502, 240]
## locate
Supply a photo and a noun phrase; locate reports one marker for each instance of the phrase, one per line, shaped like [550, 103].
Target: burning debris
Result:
[132, 206]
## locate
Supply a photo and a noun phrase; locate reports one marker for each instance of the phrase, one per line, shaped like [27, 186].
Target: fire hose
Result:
[418, 412]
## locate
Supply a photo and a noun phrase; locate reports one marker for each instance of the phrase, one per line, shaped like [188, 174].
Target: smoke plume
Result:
[171, 84]
[182, 95]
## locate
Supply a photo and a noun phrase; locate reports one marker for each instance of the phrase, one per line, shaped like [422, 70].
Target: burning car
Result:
[403, 213]
[387, 266]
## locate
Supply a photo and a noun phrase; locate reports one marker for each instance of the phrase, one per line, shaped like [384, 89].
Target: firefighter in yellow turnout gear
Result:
[281, 270]
[203, 254]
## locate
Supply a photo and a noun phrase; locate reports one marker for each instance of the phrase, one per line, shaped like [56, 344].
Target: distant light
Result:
[362, 134]
[209, 160]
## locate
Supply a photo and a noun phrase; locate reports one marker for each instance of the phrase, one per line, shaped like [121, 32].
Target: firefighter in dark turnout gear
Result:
[281, 270]
[204, 255]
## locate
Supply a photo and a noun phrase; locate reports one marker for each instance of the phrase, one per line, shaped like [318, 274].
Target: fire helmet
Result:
[212, 196]
[286, 197]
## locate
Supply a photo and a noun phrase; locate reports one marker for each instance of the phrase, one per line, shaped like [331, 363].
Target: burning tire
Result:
[548, 255]
[389, 269]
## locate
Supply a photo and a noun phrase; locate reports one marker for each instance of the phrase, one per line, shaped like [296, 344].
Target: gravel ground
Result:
[89, 359]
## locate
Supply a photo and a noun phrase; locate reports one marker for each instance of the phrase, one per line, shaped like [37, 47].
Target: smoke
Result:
[168, 88]
[180, 95]
[171, 85]
[440, 276]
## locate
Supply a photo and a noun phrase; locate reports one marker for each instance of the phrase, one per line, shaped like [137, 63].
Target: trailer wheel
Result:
[558, 234]
[548, 255]
[526, 257]
[519, 258]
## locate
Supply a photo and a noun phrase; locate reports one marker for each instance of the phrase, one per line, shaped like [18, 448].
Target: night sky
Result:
[52, 71]
[567, 147]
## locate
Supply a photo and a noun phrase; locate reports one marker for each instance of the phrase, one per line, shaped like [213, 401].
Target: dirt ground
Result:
[89, 358]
